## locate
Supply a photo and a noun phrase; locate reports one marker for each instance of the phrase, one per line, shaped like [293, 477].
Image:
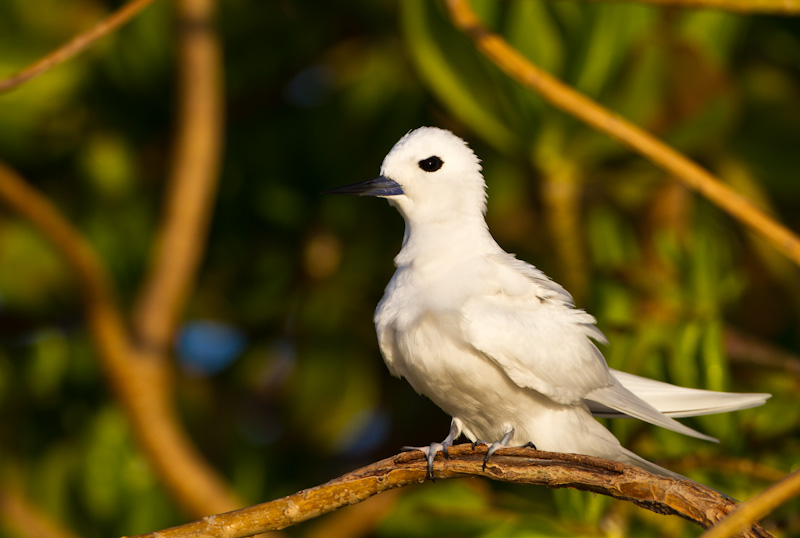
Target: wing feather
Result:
[527, 325]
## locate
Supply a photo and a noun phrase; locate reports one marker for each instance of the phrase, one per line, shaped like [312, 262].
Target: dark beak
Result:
[380, 186]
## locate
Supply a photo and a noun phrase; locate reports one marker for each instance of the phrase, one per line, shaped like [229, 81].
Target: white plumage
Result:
[491, 339]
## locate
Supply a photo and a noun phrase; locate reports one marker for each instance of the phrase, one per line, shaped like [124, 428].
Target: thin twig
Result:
[757, 507]
[193, 178]
[76, 45]
[775, 7]
[690, 500]
[574, 103]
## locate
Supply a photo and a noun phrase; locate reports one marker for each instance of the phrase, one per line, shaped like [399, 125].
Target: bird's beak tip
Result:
[380, 186]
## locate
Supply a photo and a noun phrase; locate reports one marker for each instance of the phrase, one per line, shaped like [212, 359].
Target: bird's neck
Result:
[442, 242]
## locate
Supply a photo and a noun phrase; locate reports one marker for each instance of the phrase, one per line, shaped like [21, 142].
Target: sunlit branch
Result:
[496, 49]
[690, 500]
[193, 178]
[77, 45]
[757, 507]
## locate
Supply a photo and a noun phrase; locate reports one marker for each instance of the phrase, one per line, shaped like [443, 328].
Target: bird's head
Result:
[429, 174]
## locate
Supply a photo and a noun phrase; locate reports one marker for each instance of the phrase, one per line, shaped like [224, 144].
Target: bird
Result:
[490, 339]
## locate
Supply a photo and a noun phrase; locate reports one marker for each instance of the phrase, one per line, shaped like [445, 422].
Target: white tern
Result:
[491, 339]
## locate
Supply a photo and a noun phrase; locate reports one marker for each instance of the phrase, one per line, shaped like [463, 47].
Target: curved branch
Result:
[193, 178]
[91, 273]
[775, 7]
[76, 45]
[757, 507]
[659, 494]
[140, 379]
[574, 103]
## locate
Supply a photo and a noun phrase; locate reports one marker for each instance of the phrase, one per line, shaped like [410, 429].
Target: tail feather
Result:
[622, 400]
[676, 401]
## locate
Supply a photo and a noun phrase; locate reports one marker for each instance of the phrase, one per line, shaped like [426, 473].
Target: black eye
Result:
[431, 164]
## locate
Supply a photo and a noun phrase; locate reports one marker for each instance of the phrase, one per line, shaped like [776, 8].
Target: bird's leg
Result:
[498, 444]
[455, 431]
[431, 451]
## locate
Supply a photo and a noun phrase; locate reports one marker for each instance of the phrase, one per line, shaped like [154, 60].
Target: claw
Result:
[434, 448]
[498, 444]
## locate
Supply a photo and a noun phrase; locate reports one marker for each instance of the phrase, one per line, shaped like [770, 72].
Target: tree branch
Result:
[775, 7]
[76, 45]
[690, 500]
[496, 49]
[757, 507]
[193, 178]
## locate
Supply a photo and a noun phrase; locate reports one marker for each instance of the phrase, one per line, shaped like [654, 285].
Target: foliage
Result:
[279, 378]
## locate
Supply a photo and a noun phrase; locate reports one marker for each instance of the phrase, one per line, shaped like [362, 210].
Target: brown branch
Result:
[76, 45]
[572, 102]
[193, 178]
[775, 7]
[757, 507]
[357, 520]
[140, 379]
[690, 500]
[92, 276]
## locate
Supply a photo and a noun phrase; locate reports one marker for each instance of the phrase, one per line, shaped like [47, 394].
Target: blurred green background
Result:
[280, 381]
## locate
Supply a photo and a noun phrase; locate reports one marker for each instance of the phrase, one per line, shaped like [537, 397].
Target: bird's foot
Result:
[498, 444]
[434, 448]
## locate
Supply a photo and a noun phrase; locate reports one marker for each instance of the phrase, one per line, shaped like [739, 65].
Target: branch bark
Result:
[76, 45]
[497, 50]
[690, 500]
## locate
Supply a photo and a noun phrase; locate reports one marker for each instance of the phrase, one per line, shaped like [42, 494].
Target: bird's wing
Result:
[542, 342]
[526, 324]
[622, 400]
[679, 401]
